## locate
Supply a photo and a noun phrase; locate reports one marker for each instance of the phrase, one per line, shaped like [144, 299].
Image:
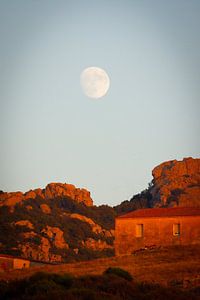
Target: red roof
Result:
[162, 212]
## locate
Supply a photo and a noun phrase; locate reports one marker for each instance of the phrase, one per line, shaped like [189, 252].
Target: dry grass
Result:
[164, 266]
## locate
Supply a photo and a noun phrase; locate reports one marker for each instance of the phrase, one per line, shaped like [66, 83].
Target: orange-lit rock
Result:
[32, 194]
[25, 223]
[95, 227]
[45, 208]
[56, 236]
[96, 245]
[29, 207]
[39, 253]
[52, 190]
[10, 199]
[29, 234]
[177, 183]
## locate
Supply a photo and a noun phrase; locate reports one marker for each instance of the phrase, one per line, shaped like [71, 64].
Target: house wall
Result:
[6, 264]
[156, 231]
[20, 263]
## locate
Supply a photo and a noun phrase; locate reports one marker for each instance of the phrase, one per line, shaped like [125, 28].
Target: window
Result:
[139, 230]
[176, 229]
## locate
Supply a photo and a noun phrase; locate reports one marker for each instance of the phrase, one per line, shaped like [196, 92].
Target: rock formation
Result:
[56, 236]
[95, 227]
[54, 190]
[45, 208]
[96, 245]
[177, 183]
[49, 224]
[25, 223]
[39, 253]
[51, 191]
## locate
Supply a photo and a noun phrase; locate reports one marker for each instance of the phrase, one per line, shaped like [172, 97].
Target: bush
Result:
[65, 280]
[43, 287]
[119, 272]
[83, 293]
[3, 289]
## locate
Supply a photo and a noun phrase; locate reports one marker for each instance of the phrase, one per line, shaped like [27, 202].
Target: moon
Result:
[95, 82]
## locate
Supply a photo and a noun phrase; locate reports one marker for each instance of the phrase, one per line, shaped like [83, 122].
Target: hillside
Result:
[174, 183]
[60, 223]
[177, 265]
[165, 273]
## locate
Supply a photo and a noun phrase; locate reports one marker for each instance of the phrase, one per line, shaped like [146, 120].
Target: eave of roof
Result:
[162, 212]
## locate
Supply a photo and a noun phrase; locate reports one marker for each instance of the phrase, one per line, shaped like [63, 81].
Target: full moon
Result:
[95, 82]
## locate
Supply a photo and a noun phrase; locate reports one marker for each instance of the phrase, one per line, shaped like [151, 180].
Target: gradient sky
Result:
[51, 132]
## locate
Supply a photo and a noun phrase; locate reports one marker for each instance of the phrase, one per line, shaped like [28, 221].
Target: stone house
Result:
[8, 262]
[156, 227]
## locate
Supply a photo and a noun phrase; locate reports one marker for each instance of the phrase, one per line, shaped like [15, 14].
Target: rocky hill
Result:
[54, 224]
[51, 191]
[174, 183]
[60, 223]
[177, 183]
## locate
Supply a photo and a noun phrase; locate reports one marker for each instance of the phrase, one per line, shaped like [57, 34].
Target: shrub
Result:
[65, 280]
[42, 287]
[3, 289]
[83, 293]
[119, 272]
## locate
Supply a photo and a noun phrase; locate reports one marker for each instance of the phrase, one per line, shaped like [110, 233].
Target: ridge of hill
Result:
[174, 183]
[51, 191]
[61, 224]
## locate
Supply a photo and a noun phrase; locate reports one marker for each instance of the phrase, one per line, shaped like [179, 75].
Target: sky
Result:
[52, 132]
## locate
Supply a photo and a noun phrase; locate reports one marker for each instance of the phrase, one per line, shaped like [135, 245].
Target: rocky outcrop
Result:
[177, 183]
[29, 207]
[25, 223]
[29, 234]
[52, 190]
[96, 245]
[95, 227]
[56, 236]
[10, 199]
[45, 208]
[39, 253]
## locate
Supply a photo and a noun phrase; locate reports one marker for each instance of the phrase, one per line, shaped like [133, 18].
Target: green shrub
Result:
[119, 272]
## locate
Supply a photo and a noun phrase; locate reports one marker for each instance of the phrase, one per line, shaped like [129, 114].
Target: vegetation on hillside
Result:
[174, 183]
[110, 285]
[139, 201]
[75, 230]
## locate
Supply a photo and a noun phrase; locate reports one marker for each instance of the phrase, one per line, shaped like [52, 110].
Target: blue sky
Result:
[51, 132]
